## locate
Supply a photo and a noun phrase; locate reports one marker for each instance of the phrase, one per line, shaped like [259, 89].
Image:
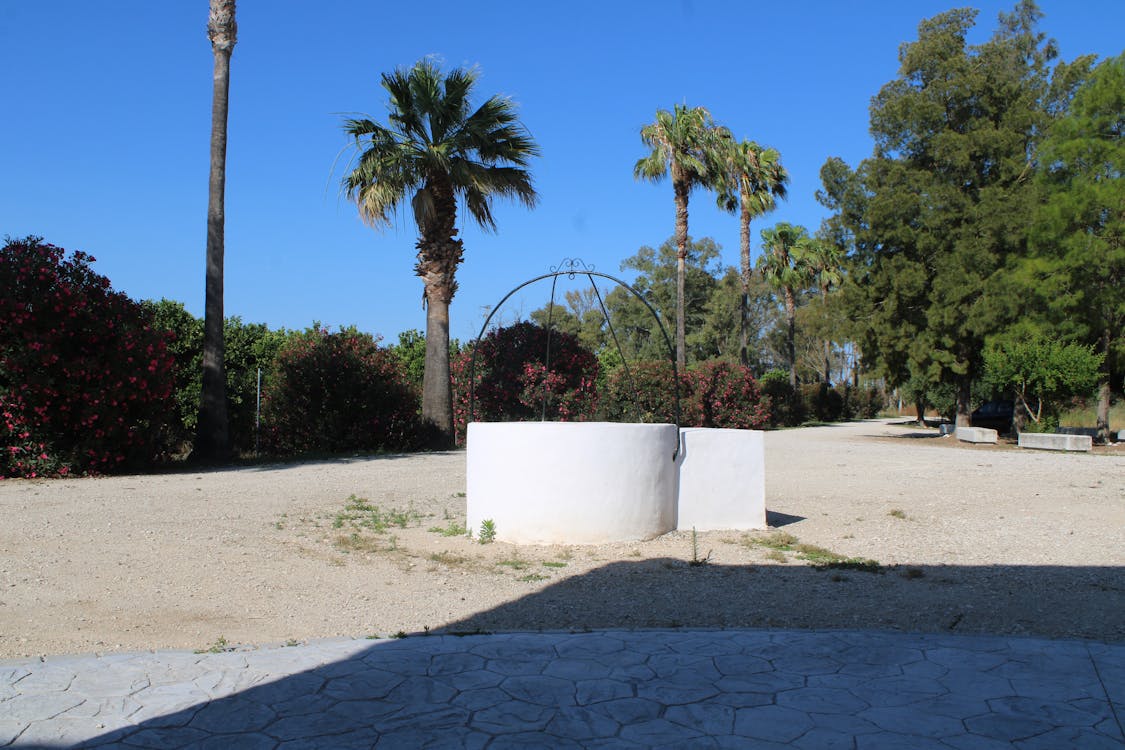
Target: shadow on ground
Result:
[661, 594]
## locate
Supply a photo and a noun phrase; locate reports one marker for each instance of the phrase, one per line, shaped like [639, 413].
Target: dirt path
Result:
[967, 539]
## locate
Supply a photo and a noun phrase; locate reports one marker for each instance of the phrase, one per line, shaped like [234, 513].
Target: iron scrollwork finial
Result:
[571, 267]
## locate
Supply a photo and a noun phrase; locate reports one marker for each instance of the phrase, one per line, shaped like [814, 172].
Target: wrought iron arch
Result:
[572, 267]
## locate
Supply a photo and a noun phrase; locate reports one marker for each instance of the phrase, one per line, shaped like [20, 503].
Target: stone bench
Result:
[975, 435]
[1048, 442]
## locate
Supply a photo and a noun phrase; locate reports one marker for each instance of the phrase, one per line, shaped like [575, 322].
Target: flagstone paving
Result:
[618, 689]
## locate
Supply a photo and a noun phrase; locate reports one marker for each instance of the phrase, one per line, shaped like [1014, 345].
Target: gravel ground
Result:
[966, 539]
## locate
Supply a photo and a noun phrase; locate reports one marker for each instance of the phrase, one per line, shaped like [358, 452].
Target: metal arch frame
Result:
[572, 267]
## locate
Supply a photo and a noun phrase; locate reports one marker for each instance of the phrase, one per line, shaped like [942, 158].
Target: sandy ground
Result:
[967, 538]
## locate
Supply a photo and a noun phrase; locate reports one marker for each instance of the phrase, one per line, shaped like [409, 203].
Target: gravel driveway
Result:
[920, 533]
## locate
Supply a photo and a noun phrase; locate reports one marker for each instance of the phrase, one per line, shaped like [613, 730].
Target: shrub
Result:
[85, 381]
[247, 347]
[723, 394]
[713, 394]
[786, 409]
[337, 392]
[821, 402]
[512, 378]
[644, 392]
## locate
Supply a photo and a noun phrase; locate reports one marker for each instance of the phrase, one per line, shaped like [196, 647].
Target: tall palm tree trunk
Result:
[212, 436]
[437, 396]
[680, 190]
[827, 342]
[744, 268]
[439, 254]
[791, 336]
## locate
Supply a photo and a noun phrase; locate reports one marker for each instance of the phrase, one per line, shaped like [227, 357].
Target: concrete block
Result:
[1048, 442]
[1091, 431]
[976, 435]
[722, 479]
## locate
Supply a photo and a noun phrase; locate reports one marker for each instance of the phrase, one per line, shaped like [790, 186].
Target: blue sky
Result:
[106, 124]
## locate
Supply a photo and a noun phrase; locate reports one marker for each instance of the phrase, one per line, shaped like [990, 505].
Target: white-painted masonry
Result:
[597, 482]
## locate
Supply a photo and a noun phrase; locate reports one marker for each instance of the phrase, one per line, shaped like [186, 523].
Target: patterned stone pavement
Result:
[629, 689]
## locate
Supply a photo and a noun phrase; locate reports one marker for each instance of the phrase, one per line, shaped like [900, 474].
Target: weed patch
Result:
[820, 558]
[359, 513]
[453, 528]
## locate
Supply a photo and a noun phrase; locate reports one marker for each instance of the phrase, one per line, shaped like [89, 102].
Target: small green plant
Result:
[453, 528]
[359, 513]
[515, 563]
[532, 578]
[219, 646]
[820, 558]
[292, 642]
[553, 564]
[696, 560]
[458, 494]
[487, 533]
[897, 513]
[777, 556]
[399, 635]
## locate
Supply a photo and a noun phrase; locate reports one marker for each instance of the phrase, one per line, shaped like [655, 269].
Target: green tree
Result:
[686, 144]
[1041, 372]
[751, 183]
[945, 200]
[784, 266]
[659, 281]
[438, 150]
[212, 441]
[825, 264]
[1079, 232]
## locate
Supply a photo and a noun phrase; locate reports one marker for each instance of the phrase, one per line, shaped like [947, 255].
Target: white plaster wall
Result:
[722, 479]
[571, 482]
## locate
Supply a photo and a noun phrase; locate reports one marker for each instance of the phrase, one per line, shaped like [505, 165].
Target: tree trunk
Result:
[791, 336]
[745, 271]
[212, 441]
[680, 191]
[437, 393]
[964, 401]
[439, 254]
[827, 343]
[1102, 416]
[920, 409]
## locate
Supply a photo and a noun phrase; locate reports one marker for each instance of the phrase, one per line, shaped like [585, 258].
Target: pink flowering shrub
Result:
[85, 381]
[712, 394]
[511, 378]
[338, 392]
[725, 394]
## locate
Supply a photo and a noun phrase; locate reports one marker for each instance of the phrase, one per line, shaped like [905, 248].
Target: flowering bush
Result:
[512, 380]
[334, 392]
[725, 395]
[85, 381]
[713, 394]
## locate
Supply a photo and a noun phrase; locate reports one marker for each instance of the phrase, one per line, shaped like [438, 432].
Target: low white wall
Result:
[571, 482]
[722, 479]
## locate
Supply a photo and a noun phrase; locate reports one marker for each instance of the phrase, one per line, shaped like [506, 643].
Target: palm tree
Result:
[784, 267]
[212, 440]
[825, 263]
[684, 142]
[752, 182]
[435, 152]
